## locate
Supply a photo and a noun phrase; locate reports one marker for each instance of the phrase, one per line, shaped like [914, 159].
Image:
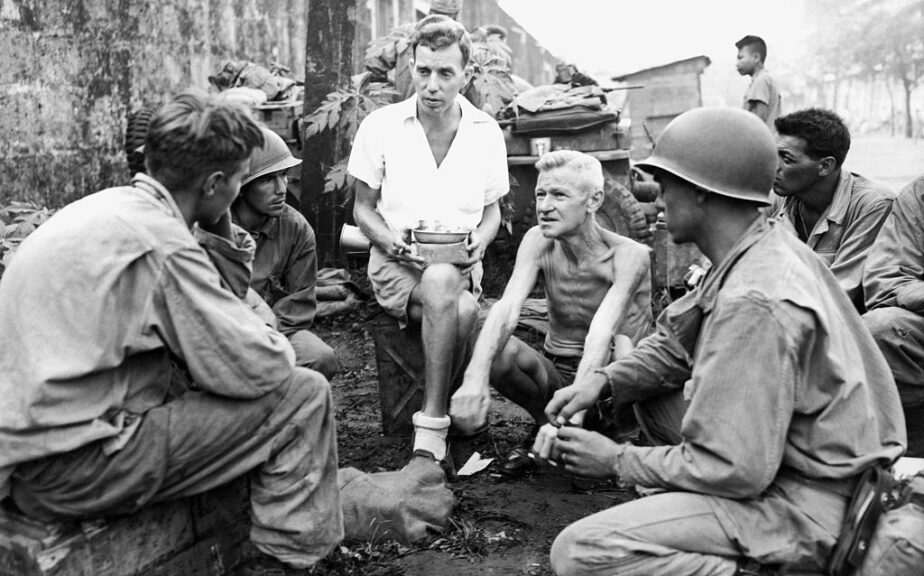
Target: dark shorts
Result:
[561, 369]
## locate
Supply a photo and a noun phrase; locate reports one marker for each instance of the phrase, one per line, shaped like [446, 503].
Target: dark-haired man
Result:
[763, 95]
[431, 157]
[131, 370]
[836, 212]
[893, 284]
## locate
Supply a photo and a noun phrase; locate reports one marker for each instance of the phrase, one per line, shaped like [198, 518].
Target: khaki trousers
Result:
[793, 524]
[285, 440]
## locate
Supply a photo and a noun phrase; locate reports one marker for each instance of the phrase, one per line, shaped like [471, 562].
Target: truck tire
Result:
[135, 133]
[622, 213]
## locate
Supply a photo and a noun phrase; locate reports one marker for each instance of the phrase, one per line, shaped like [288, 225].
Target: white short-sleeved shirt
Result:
[391, 153]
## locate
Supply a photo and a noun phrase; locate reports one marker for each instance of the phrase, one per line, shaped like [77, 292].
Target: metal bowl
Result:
[432, 237]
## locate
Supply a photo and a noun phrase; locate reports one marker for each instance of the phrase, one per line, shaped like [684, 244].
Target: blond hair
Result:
[586, 166]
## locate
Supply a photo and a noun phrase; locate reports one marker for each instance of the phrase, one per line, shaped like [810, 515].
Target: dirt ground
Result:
[499, 525]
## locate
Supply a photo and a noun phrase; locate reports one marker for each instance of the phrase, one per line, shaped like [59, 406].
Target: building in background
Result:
[655, 96]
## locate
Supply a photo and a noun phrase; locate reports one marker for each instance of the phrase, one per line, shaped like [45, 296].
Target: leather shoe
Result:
[518, 462]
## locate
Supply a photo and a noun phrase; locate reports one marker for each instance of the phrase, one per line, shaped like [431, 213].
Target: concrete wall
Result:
[72, 70]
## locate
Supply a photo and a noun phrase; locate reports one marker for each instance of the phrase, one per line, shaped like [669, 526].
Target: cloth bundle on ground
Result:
[409, 505]
[336, 292]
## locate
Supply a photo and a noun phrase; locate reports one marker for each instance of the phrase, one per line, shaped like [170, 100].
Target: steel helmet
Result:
[728, 151]
[273, 156]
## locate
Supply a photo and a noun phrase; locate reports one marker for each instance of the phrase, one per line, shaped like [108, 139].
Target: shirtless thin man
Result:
[598, 289]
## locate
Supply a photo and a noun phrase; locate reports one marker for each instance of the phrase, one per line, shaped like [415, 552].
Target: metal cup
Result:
[352, 239]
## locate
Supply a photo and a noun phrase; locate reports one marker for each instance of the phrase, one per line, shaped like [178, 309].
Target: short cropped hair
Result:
[195, 134]
[755, 43]
[824, 132]
[437, 31]
[585, 165]
[496, 29]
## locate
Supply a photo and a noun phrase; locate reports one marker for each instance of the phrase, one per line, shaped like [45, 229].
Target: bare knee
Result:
[440, 286]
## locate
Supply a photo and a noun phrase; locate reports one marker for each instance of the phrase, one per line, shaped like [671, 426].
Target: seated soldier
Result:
[131, 374]
[836, 212]
[894, 287]
[431, 157]
[285, 265]
[597, 285]
[785, 399]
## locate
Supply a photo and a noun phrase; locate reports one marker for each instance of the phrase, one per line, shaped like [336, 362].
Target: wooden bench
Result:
[203, 535]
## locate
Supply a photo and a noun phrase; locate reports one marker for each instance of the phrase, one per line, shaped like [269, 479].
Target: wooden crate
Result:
[282, 118]
[399, 359]
[202, 535]
[606, 136]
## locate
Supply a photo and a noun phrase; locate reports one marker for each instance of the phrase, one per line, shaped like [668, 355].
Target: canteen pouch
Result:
[897, 547]
[866, 506]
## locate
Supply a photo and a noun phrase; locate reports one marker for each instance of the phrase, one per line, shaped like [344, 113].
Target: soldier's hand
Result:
[570, 400]
[586, 453]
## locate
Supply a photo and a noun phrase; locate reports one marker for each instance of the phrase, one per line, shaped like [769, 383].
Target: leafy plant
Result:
[18, 220]
[344, 110]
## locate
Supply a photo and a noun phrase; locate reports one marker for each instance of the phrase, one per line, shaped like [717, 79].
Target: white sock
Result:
[430, 434]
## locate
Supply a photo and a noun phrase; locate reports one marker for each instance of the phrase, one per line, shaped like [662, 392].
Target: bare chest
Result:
[440, 142]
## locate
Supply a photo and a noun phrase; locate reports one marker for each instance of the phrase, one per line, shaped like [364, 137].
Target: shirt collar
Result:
[408, 110]
[268, 229]
[836, 210]
[159, 193]
[715, 279]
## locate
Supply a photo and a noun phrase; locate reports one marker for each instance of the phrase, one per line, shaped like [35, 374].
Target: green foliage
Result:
[17, 221]
[338, 179]
[343, 111]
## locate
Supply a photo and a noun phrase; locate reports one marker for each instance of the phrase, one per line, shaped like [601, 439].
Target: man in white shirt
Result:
[431, 157]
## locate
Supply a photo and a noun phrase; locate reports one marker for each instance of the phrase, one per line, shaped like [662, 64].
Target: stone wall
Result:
[71, 71]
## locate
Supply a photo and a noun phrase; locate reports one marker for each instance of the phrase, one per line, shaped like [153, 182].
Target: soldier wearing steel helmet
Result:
[285, 262]
[762, 395]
